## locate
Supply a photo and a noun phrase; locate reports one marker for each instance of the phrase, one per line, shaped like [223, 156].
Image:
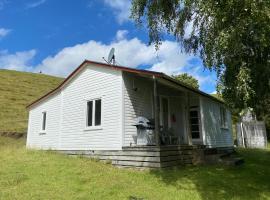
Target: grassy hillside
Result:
[29, 174]
[18, 89]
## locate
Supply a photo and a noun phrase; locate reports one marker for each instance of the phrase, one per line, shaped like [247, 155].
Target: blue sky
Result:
[55, 36]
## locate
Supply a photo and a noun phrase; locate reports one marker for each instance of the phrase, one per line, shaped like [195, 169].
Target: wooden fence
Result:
[251, 134]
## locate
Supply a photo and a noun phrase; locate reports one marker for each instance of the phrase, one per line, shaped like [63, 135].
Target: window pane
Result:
[98, 112]
[43, 121]
[193, 113]
[194, 121]
[89, 113]
[195, 135]
[195, 128]
[223, 118]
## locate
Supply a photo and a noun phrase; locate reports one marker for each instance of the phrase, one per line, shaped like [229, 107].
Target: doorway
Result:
[194, 118]
[164, 113]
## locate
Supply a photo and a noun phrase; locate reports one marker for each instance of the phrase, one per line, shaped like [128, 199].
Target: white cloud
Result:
[4, 32]
[121, 9]
[121, 34]
[171, 60]
[20, 61]
[131, 53]
[128, 52]
[35, 4]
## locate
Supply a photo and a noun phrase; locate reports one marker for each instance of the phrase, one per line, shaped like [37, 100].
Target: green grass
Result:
[28, 174]
[17, 90]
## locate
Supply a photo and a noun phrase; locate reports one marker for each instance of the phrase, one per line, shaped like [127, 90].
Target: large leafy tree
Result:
[232, 37]
[187, 79]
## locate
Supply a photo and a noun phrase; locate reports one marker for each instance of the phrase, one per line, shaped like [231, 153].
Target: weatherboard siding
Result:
[93, 82]
[213, 134]
[68, 121]
[47, 139]
[124, 96]
[137, 102]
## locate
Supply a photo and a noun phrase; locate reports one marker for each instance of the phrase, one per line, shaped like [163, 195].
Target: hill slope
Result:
[18, 89]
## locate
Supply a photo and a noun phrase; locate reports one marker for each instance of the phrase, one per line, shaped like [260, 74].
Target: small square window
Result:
[223, 118]
[98, 112]
[94, 113]
[44, 119]
[89, 113]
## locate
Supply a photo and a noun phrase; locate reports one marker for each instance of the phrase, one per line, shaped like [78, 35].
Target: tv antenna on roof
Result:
[111, 57]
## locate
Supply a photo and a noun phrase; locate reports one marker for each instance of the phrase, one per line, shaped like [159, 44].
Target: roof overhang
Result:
[121, 68]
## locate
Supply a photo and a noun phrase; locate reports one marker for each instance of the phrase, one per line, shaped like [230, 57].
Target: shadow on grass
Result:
[249, 181]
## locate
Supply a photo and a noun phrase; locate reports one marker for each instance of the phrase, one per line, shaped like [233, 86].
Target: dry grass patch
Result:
[17, 90]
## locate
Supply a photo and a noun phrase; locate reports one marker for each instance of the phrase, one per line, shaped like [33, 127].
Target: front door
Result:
[194, 116]
[164, 114]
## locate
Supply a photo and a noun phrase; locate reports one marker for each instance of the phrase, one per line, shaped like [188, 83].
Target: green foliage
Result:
[28, 174]
[218, 96]
[187, 79]
[18, 89]
[231, 37]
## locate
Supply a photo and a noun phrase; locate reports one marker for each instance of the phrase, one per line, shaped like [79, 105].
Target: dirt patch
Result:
[12, 134]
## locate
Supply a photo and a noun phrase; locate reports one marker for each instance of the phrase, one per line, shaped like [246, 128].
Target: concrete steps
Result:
[226, 157]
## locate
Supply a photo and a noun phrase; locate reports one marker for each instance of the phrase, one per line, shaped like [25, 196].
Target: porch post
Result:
[188, 120]
[156, 111]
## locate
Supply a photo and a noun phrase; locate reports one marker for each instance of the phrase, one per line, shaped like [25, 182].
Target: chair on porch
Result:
[167, 137]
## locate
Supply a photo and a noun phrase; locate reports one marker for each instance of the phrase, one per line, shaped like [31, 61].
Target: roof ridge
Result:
[124, 68]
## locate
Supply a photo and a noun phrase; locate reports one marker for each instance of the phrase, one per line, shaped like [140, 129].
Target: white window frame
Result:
[223, 118]
[43, 131]
[199, 121]
[93, 127]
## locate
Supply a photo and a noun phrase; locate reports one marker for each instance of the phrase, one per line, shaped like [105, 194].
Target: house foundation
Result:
[148, 156]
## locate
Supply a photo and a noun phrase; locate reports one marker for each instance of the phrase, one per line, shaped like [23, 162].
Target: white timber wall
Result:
[213, 134]
[138, 101]
[138, 97]
[66, 113]
[35, 137]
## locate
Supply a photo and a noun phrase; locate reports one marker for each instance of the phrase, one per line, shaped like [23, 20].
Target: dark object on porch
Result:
[145, 131]
[167, 137]
[146, 135]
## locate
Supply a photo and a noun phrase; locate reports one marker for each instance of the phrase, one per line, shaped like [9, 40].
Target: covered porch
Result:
[173, 113]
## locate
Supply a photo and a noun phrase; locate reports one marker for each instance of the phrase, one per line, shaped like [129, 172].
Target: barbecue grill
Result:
[145, 131]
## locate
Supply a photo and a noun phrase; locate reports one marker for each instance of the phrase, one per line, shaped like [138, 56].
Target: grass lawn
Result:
[18, 89]
[28, 174]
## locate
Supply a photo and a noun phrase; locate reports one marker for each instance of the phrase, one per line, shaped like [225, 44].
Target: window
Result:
[93, 113]
[165, 113]
[194, 123]
[44, 115]
[223, 118]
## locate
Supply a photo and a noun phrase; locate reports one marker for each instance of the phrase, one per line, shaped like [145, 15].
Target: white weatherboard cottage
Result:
[97, 107]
